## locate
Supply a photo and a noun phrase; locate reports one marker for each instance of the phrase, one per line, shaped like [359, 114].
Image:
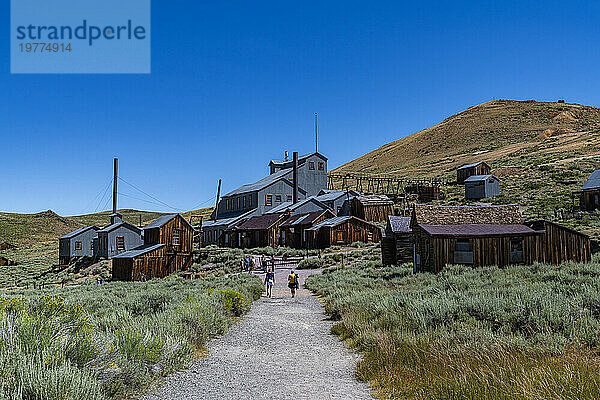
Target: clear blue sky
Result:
[234, 84]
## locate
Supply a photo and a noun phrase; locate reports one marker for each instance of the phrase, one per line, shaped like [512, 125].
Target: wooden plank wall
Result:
[587, 200]
[562, 244]
[403, 248]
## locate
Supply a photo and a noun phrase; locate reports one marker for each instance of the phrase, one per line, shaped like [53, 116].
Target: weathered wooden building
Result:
[590, 192]
[341, 231]
[334, 199]
[293, 229]
[489, 235]
[479, 187]
[373, 207]
[79, 243]
[145, 262]
[168, 238]
[118, 237]
[397, 241]
[258, 231]
[478, 168]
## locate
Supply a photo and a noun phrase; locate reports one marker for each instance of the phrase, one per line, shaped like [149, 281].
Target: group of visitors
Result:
[293, 282]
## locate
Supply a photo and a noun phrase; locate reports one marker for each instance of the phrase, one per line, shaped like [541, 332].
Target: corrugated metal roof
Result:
[471, 165]
[593, 181]
[300, 159]
[374, 200]
[303, 219]
[289, 205]
[260, 222]
[400, 224]
[477, 178]
[160, 221]
[477, 229]
[452, 215]
[334, 195]
[78, 231]
[227, 221]
[138, 251]
[329, 223]
[118, 224]
[263, 183]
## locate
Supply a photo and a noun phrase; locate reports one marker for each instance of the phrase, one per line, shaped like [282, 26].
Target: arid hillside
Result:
[495, 132]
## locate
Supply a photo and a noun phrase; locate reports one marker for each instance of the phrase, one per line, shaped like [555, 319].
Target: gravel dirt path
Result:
[281, 350]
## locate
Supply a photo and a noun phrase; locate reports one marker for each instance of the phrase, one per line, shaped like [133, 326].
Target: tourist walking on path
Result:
[270, 281]
[293, 282]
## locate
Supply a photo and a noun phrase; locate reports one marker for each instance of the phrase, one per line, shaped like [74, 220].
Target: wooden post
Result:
[115, 177]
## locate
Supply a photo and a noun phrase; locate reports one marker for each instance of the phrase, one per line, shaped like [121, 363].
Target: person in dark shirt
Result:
[270, 281]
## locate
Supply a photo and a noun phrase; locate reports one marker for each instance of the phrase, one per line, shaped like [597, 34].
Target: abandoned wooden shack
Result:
[479, 187]
[590, 192]
[478, 168]
[78, 243]
[293, 229]
[341, 231]
[373, 207]
[488, 235]
[425, 193]
[259, 231]
[145, 262]
[168, 238]
[397, 241]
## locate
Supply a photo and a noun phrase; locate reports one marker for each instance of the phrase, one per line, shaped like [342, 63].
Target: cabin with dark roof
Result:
[478, 168]
[118, 237]
[341, 231]
[397, 241]
[375, 207]
[258, 231]
[590, 192]
[79, 243]
[479, 187]
[145, 262]
[488, 235]
[293, 229]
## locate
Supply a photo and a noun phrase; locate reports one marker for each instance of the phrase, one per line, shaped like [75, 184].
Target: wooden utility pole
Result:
[218, 196]
[115, 177]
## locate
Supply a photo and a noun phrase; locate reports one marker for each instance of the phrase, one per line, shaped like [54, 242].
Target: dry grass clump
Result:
[110, 341]
[524, 332]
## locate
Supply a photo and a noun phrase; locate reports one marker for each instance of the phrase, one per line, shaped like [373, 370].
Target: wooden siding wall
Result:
[388, 250]
[294, 239]
[481, 169]
[436, 252]
[155, 264]
[404, 248]
[562, 244]
[587, 201]
[374, 213]
[164, 235]
[345, 233]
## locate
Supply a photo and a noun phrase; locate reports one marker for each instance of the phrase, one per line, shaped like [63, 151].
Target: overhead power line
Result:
[150, 196]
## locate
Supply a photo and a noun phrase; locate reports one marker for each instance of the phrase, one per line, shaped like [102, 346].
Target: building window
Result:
[321, 166]
[245, 202]
[92, 247]
[120, 243]
[78, 246]
[288, 197]
[176, 237]
[463, 253]
[311, 165]
[249, 200]
[239, 203]
[516, 250]
[269, 200]
[278, 198]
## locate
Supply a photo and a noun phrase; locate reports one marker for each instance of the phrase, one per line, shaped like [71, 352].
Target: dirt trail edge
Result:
[283, 349]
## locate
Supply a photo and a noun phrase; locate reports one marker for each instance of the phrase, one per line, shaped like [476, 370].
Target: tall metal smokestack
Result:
[316, 134]
[115, 177]
[295, 177]
[218, 195]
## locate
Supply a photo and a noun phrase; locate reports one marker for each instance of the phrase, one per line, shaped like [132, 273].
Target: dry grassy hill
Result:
[495, 132]
[542, 152]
